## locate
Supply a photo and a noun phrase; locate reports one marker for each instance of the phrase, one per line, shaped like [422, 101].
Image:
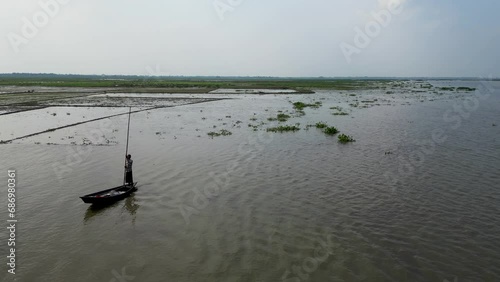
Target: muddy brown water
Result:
[415, 198]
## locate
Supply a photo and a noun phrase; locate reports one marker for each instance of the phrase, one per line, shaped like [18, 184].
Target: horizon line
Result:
[249, 76]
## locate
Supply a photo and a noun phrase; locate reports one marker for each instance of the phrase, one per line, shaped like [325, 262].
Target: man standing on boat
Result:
[128, 170]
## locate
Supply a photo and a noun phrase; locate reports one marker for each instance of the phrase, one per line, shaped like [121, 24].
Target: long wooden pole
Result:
[126, 148]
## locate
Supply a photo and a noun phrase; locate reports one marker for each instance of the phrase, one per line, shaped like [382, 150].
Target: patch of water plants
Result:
[280, 118]
[447, 88]
[466, 89]
[339, 111]
[283, 128]
[222, 132]
[330, 130]
[321, 125]
[300, 113]
[301, 105]
[343, 138]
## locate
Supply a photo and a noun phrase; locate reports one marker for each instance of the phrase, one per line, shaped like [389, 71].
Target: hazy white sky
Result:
[251, 37]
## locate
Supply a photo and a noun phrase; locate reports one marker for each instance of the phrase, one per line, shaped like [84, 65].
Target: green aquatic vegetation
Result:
[321, 125]
[447, 88]
[301, 105]
[336, 108]
[254, 127]
[282, 117]
[340, 114]
[466, 89]
[253, 119]
[283, 128]
[332, 130]
[345, 138]
[352, 94]
[222, 132]
[300, 113]
[272, 119]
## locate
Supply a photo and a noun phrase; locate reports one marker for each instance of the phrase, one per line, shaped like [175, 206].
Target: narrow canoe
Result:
[110, 195]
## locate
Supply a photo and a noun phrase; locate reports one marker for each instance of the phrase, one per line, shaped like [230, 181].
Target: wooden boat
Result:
[109, 196]
[112, 195]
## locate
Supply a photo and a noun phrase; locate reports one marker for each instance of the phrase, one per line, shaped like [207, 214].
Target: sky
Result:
[292, 38]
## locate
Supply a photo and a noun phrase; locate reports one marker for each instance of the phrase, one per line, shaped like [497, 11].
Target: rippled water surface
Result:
[415, 198]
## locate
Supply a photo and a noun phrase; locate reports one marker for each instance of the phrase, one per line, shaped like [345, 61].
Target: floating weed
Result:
[283, 128]
[321, 125]
[336, 108]
[447, 88]
[466, 89]
[222, 132]
[345, 139]
[282, 117]
[340, 114]
[253, 119]
[279, 117]
[300, 105]
[300, 113]
[332, 130]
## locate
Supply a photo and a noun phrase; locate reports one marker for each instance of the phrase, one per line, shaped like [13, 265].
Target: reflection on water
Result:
[129, 204]
[96, 210]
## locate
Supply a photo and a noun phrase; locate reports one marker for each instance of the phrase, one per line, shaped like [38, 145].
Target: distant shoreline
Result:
[150, 84]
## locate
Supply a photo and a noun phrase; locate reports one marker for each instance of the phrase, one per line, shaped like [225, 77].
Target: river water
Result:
[415, 198]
